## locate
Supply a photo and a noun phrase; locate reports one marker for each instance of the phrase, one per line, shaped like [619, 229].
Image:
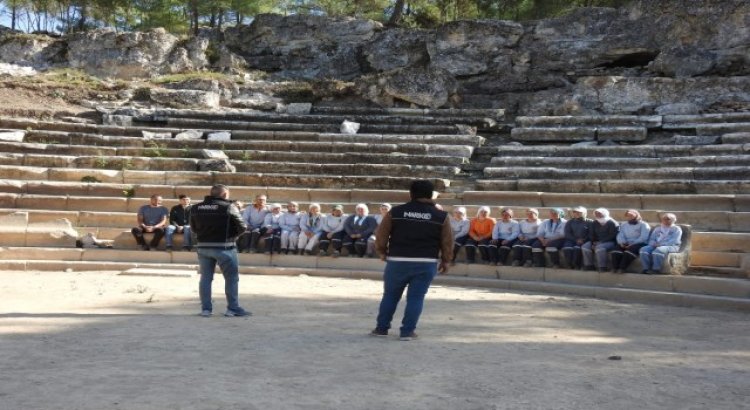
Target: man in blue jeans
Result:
[217, 223]
[416, 241]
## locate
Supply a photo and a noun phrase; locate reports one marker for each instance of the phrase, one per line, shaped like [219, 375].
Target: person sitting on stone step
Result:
[273, 229]
[527, 238]
[152, 218]
[332, 231]
[310, 224]
[254, 216]
[551, 236]
[290, 229]
[632, 237]
[504, 236]
[577, 234]
[460, 225]
[664, 239]
[603, 239]
[179, 222]
[384, 208]
[358, 228]
[480, 234]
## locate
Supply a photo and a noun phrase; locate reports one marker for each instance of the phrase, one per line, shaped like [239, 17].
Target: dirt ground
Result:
[102, 341]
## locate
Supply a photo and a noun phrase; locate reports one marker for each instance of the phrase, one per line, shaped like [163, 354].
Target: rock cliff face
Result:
[653, 56]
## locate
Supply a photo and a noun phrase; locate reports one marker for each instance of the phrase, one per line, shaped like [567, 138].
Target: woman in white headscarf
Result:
[480, 234]
[632, 237]
[603, 239]
[664, 239]
[577, 234]
[460, 225]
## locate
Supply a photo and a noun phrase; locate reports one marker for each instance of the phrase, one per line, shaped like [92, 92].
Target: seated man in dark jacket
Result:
[358, 228]
[217, 223]
[179, 222]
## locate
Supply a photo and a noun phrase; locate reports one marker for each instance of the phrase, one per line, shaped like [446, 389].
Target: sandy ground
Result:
[102, 341]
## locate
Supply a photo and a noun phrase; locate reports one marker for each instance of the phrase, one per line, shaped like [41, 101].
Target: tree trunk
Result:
[398, 11]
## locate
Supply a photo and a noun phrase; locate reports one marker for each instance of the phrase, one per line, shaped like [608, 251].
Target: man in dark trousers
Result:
[416, 241]
[217, 223]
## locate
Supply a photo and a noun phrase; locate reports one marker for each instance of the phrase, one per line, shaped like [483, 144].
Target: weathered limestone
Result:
[653, 121]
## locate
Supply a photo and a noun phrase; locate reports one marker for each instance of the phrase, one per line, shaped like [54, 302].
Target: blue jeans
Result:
[652, 257]
[398, 275]
[227, 260]
[186, 239]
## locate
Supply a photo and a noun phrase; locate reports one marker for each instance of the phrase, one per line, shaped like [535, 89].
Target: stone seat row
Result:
[266, 135]
[242, 155]
[86, 139]
[194, 164]
[699, 173]
[705, 220]
[203, 178]
[617, 186]
[621, 163]
[161, 114]
[615, 151]
[649, 121]
[579, 134]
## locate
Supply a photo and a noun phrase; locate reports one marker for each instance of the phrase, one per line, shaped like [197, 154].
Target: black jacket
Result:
[217, 223]
[416, 231]
[179, 216]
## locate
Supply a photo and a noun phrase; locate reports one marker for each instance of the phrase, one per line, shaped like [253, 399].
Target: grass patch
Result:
[191, 75]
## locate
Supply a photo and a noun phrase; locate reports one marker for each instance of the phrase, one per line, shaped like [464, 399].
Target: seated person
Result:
[632, 237]
[527, 238]
[358, 228]
[273, 229]
[504, 236]
[311, 227]
[603, 239]
[254, 216]
[551, 236]
[664, 239]
[480, 234]
[384, 209]
[289, 224]
[152, 218]
[179, 222]
[577, 234]
[332, 231]
[460, 225]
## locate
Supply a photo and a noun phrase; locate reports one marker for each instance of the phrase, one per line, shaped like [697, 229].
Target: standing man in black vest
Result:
[217, 223]
[416, 241]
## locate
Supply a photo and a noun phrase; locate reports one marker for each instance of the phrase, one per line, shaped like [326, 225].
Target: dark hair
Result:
[218, 189]
[421, 188]
[182, 196]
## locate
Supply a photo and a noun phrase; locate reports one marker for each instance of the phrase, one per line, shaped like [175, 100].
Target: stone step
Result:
[155, 146]
[717, 259]
[719, 271]
[739, 173]
[660, 288]
[621, 163]
[326, 128]
[736, 138]
[634, 186]
[653, 121]
[731, 203]
[364, 169]
[577, 134]
[710, 128]
[728, 117]
[274, 193]
[208, 178]
[282, 156]
[156, 115]
[494, 113]
[616, 151]
[737, 242]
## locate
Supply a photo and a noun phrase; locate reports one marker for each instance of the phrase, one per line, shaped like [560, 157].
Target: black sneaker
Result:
[145, 247]
[408, 337]
[239, 312]
[379, 332]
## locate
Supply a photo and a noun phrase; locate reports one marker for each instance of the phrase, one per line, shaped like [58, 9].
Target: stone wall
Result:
[665, 56]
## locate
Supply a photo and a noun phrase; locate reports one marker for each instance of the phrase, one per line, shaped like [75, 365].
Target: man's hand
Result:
[180, 229]
[330, 235]
[148, 228]
[309, 234]
[443, 267]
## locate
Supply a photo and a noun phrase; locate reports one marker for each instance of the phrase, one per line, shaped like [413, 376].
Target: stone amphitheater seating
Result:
[96, 176]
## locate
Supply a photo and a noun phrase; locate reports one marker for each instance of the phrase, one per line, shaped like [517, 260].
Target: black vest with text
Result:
[416, 230]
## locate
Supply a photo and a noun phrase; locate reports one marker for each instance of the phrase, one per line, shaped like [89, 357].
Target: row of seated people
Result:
[585, 243]
[157, 219]
[298, 233]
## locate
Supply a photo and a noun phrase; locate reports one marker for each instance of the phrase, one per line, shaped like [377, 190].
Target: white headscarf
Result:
[462, 210]
[484, 208]
[605, 215]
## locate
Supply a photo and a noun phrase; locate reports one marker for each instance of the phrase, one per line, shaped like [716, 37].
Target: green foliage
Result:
[128, 192]
[191, 75]
[101, 162]
[155, 150]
